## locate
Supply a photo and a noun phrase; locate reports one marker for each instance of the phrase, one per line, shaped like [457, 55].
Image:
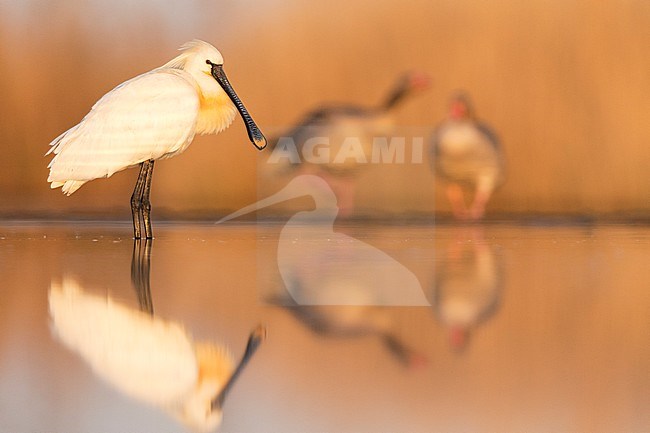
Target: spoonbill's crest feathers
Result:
[195, 48]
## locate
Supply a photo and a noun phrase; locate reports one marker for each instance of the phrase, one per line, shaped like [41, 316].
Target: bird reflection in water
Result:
[354, 321]
[335, 141]
[467, 285]
[148, 358]
[336, 284]
[141, 273]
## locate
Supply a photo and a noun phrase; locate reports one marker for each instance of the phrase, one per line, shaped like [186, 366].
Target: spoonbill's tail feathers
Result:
[68, 187]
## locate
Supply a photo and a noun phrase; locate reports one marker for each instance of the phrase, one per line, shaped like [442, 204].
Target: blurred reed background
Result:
[564, 83]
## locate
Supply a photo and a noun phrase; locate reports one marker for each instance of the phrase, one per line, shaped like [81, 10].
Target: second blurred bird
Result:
[467, 156]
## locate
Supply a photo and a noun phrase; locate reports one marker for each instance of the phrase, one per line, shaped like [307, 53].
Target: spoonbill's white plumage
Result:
[147, 358]
[466, 153]
[152, 116]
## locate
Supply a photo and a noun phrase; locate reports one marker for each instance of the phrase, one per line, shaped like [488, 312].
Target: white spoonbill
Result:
[467, 154]
[150, 359]
[152, 116]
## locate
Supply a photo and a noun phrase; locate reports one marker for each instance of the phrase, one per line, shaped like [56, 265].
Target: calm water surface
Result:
[371, 328]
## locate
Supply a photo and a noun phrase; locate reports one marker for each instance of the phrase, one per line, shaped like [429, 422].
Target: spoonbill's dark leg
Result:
[140, 205]
[136, 200]
[140, 273]
[145, 203]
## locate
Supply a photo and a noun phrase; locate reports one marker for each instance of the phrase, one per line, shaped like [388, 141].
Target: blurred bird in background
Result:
[467, 156]
[152, 116]
[347, 131]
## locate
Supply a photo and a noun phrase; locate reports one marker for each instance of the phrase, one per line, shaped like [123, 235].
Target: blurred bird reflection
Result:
[354, 321]
[150, 359]
[335, 141]
[467, 285]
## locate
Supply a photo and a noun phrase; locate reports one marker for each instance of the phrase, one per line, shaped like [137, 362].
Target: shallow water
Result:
[448, 328]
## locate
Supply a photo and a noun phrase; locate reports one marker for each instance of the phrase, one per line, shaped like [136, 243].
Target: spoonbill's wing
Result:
[148, 117]
[143, 356]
